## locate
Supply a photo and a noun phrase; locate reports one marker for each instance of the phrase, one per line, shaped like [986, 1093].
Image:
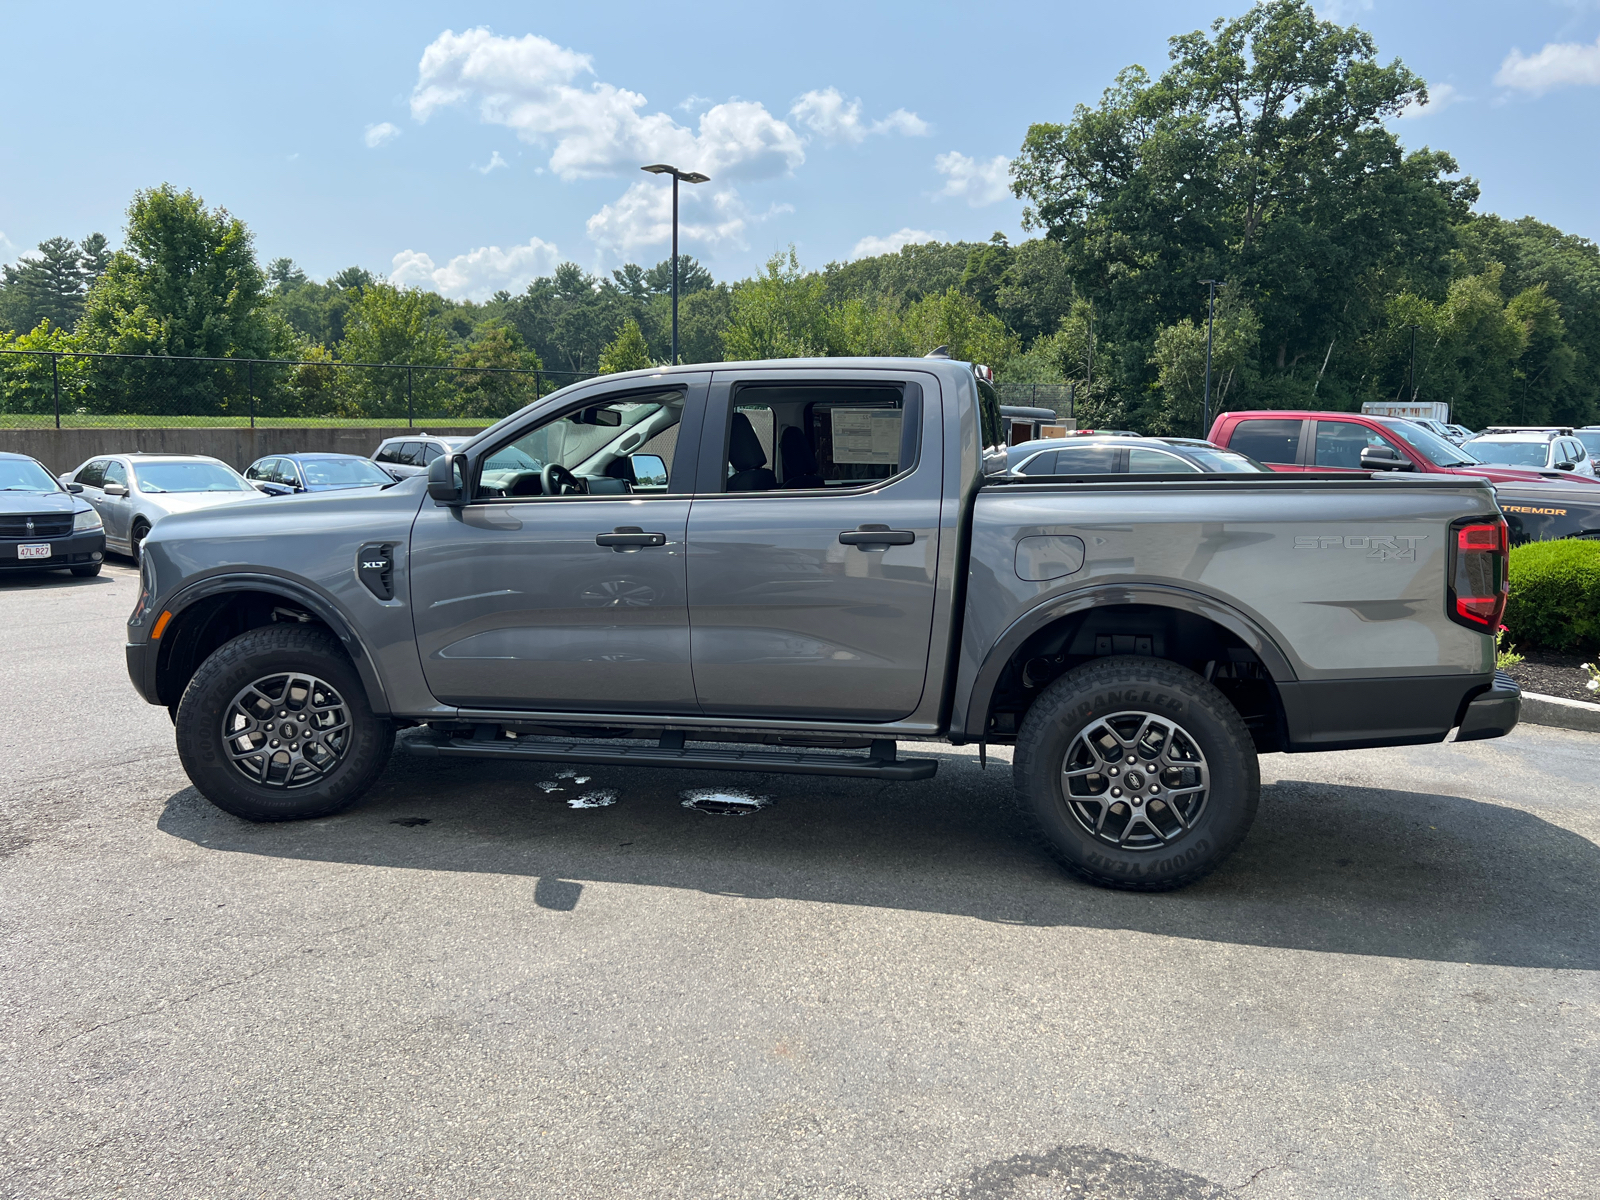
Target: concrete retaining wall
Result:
[63, 449]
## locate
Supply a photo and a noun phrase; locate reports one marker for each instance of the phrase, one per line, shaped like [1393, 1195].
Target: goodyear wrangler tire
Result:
[275, 726]
[1135, 773]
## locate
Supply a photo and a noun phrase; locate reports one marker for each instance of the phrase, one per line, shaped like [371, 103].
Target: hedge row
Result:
[1555, 596]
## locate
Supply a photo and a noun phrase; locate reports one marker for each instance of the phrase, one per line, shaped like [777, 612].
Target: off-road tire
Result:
[86, 572]
[252, 656]
[1086, 695]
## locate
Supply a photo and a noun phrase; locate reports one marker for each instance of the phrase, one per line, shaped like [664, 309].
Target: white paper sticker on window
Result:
[866, 435]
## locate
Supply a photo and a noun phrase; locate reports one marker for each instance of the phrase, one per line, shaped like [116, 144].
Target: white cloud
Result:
[1559, 64]
[1440, 97]
[530, 85]
[380, 133]
[479, 273]
[494, 161]
[642, 216]
[1343, 12]
[978, 182]
[691, 102]
[828, 114]
[870, 247]
[5, 242]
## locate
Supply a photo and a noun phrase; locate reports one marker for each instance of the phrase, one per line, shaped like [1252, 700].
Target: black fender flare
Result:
[319, 604]
[1246, 629]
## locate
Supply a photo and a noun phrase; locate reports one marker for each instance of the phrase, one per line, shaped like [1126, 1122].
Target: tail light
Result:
[1479, 581]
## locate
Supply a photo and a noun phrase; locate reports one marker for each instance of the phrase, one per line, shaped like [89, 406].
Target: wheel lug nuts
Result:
[274, 743]
[1113, 770]
[1116, 791]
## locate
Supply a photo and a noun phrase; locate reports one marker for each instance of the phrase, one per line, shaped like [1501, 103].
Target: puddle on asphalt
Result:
[596, 799]
[549, 785]
[720, 802]
[567, 774]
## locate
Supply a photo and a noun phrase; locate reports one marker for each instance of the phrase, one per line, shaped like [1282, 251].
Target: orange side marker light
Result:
[161, 624]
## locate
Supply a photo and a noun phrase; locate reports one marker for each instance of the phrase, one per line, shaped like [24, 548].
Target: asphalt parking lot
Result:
[468, 988]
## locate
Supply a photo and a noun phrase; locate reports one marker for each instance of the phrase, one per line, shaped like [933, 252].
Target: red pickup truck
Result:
[1288, 440]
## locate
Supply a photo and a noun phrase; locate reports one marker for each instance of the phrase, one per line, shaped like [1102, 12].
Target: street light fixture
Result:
[686, 177]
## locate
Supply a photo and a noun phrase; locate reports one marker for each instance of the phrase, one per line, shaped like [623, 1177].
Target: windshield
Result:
[1430, 445]
[342, 472]
[188, 477]
[1216, 459]
[25, 475]
[1512, 454]
[509, 458]
[1590, 439]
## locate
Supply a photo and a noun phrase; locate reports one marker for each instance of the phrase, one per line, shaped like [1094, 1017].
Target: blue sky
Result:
[466, 147]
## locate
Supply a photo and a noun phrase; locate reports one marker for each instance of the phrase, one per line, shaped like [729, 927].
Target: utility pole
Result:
[1411, 372]
[686, 177]
[1211, 320]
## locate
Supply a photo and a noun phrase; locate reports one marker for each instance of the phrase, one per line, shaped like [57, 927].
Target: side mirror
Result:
[1384, 458]
[75, 488]
[649, 471]
[260, 487]
[115, 489]
[1566, 466]
[447, 479]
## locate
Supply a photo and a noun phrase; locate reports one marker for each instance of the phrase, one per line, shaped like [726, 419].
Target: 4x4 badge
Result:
[1379, 546]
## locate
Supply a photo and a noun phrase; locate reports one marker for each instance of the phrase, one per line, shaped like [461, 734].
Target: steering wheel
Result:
[556, 480]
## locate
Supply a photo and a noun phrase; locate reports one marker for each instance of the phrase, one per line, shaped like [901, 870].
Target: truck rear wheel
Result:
[1135, 773]
[275, 726]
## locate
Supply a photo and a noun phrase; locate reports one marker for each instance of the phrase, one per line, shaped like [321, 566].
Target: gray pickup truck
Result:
[766, 566]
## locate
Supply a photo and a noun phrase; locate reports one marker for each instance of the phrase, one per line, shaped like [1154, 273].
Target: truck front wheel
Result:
[275, 726]
[1135, 773]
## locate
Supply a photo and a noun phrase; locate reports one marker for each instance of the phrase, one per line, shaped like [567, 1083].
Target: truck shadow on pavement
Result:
[1327, 867]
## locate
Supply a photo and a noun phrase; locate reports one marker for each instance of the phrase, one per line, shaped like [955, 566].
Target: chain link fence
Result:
[1055, 396]
[42, 389]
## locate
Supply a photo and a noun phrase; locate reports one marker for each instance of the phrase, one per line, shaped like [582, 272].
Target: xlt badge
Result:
[1379, 546]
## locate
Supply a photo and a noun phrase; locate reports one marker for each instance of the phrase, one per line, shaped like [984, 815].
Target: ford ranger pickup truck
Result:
[794, 566]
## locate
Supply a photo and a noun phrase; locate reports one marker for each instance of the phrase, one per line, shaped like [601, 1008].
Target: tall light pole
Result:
[1411, 371]
[686, 177]
[1211, 320]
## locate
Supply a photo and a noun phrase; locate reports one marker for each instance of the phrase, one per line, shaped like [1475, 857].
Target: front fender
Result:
[146, 670]
[970, 713]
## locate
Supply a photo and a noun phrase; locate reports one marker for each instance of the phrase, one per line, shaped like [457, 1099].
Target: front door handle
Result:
[626, 536]
[877, 535]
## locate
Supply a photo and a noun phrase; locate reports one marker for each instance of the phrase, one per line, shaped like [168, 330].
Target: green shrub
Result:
[1555, 595]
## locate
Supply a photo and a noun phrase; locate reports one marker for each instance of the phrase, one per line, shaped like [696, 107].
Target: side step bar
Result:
[880, 763]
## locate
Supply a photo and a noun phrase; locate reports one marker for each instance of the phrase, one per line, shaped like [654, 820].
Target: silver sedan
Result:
[131, 492]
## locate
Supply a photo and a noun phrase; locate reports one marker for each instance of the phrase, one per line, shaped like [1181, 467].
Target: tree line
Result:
[1347, 269]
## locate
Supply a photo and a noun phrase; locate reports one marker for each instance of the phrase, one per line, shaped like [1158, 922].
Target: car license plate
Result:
[35, 550]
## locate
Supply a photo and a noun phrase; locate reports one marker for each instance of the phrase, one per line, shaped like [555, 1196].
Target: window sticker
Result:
[866, 435]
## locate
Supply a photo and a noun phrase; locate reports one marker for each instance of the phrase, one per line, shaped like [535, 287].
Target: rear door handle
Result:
[877, 535]
[629, 535]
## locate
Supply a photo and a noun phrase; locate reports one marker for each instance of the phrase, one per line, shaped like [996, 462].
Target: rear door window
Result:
[387, 453]
[819, 436]
[431, 451]
[1089, 460]
[1158, 462]
[1268, 440]
[93, 475]
[410, 454]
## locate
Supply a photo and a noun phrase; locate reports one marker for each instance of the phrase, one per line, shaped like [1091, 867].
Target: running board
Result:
[880, 763]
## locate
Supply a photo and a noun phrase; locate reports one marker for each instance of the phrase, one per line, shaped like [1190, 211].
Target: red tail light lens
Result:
[1479, 581]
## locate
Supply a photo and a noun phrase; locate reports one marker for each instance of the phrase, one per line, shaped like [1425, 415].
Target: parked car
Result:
[1437, 428]
[285, 474]
[836, 559]
[1589, 435]
[1136, 455]
[1459, 433]
[1539, 512]
[131, 492]
[403, 457]
[1536, 449]
[1023, 450]
[45, 524]
[1301, 440]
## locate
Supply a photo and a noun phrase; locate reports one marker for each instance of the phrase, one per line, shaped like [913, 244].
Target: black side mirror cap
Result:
[1566, 466]
[75, 488]
[1384, 458]
[447, 479]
